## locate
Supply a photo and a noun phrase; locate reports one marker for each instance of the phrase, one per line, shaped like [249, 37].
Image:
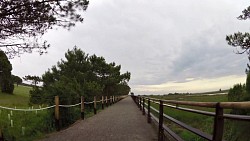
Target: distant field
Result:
[195, 97]
[20, 97]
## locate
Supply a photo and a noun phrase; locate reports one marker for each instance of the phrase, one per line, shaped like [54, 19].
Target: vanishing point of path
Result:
[122, 121]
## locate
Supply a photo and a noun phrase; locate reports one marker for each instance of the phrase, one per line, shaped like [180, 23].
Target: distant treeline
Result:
[212, 92]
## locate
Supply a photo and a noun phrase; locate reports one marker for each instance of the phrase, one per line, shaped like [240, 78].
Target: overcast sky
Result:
[168, 46]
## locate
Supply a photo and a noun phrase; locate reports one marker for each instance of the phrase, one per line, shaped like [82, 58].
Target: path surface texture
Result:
[122, 121]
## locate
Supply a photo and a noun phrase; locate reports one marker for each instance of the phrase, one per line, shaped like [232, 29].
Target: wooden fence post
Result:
[107, 101]
[102, 102]
[149, 116]
[161, 130]
[143, 106]
[218, 123]
[140, 103]
[110, 100]
[82, 107]
[57, 120]
[95, 105]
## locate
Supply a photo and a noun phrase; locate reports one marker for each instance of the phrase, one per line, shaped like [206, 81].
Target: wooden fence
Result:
[144, 103]
[104, 100]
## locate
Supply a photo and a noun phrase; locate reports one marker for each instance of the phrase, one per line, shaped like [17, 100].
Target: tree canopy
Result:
[80, 75]
[34, 79]
[241, 40]
[22, 22]
[84, 75]
[5, 74]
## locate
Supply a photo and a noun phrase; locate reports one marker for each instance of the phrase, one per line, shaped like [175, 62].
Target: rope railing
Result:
[218, 115]
[27, 110]
[49, 107]
[67, 106]
[89, 102]
[104, 102]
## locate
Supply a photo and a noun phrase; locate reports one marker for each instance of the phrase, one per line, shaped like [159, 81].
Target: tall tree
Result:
[241, 40]
[22, 22]
[80, 75]
[5, 74]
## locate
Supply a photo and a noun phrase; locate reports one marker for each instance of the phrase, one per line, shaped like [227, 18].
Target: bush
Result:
[237, 93]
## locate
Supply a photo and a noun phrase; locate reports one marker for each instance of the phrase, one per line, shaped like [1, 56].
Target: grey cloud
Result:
[157, 41]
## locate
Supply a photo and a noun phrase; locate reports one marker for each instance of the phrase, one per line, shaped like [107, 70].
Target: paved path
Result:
[122, 121]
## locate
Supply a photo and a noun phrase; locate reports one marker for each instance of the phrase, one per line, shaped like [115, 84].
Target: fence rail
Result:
[219, 116]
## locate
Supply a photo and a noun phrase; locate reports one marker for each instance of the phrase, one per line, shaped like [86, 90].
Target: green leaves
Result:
[6, 82]
[83, 75]
[80, 75]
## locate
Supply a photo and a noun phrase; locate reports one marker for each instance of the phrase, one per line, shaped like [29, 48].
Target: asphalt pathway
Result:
[122, 121]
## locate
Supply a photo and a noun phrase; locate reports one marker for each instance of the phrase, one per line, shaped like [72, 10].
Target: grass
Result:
[19, 98]
[233, 130]
[28, 126]
[202, 122]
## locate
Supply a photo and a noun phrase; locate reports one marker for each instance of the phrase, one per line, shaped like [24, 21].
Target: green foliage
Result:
[80, 75]
[237, 130]
[35, 124]
[233, 130]
[122, 89]
[247, 97]
[8, 86]
[20, 97]
[240, 93]
[16, 79]
[202, 122]
[237, 93]
[36, 95]
[6, 82]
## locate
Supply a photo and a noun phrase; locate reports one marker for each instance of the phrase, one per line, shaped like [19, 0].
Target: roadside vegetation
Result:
[20, 125]
[233, 130]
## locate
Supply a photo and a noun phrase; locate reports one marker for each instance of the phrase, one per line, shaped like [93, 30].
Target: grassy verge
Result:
[28, 126]
[19, 98]
[20, 125]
